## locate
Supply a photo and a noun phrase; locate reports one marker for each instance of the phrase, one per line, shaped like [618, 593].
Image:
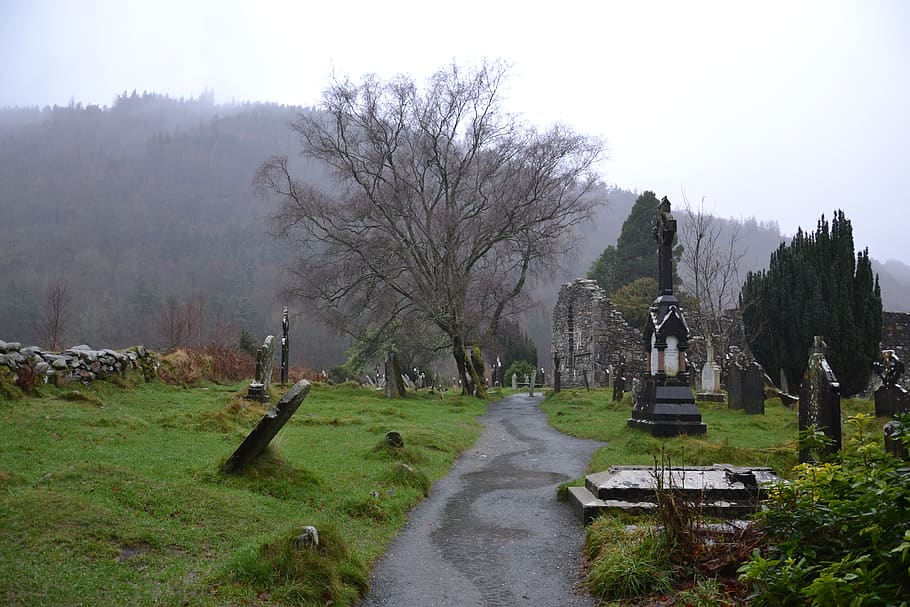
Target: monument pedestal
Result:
[666, 410]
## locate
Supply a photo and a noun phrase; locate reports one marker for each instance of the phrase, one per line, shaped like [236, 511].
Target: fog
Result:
[778, 110]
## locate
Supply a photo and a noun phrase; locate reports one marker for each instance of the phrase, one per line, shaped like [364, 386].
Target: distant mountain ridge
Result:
[152, 199]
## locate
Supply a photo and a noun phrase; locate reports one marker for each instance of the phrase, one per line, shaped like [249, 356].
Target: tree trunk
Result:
[461, 361]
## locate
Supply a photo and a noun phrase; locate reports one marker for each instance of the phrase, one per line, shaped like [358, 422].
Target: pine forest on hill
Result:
[149, 202]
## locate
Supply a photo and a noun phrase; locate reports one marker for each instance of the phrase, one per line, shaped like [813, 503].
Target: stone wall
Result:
[590, 336]
[896, 334]
[79, 363]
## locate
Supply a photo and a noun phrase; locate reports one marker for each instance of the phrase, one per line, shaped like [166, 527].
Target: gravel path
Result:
[492, 532]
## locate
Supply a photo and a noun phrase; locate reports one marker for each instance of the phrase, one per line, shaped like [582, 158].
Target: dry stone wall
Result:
[590, 337]
[79, 363]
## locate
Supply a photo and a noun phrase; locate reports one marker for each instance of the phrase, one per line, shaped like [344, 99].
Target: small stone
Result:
[59, 363]
[394, 439]
[308, 539]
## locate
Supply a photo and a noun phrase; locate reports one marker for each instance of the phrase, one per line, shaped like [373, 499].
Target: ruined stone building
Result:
[591, 337]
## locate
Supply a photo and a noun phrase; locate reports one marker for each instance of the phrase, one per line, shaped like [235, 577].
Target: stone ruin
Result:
[591, 337]
[265, 355]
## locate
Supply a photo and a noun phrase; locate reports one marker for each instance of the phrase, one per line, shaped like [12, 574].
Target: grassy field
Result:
[112, 495]
[733, 437]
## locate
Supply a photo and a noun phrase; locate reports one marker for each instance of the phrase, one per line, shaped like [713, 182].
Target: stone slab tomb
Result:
[720, 490]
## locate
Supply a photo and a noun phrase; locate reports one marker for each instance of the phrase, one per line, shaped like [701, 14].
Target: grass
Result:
[112, 495]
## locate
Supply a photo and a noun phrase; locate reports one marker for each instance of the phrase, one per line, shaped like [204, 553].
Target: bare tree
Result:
[182, 323]
[56, 318]
[444, 207]
[710, 264]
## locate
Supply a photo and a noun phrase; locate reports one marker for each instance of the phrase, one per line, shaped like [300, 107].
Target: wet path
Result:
[492, 532]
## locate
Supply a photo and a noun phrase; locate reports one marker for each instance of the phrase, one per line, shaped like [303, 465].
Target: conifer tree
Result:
[816, 286]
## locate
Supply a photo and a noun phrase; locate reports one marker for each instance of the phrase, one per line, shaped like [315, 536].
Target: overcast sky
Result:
[778, 110]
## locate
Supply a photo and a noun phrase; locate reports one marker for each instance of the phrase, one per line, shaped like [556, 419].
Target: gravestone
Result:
[531, 383]
[257, 440]
[753, 389]
[710, 377]
[894, 446]
[665, 405]
[259, 387]
[515, 381]
[619, 382]
[819, 405]
[890, 398]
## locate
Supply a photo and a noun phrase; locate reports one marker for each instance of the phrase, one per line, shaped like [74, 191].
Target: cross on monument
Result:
[665, 233]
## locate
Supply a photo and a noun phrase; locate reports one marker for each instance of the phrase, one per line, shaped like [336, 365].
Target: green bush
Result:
[519, 368]
[838, 533]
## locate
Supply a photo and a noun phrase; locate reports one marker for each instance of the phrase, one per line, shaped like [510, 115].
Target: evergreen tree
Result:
[635, 253]
[816, 286]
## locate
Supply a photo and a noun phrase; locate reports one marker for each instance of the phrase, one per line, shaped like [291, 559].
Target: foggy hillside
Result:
[150, 201]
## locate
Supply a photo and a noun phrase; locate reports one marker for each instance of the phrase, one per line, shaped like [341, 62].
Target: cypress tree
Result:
[816, 286]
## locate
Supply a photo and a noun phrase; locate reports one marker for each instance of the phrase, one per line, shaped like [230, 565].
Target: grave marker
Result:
[819, 404]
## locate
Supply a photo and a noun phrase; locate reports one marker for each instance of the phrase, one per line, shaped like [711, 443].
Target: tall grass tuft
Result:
[625, 562]
[321, 575]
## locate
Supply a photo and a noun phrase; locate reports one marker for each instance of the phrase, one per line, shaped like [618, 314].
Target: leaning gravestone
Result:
[259, 387]
[819, 404]
[257, 440]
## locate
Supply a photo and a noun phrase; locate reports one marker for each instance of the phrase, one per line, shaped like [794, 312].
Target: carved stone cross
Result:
[665, 232]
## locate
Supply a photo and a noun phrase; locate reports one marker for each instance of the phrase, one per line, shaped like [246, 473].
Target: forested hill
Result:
[131, 205]
[149, 203]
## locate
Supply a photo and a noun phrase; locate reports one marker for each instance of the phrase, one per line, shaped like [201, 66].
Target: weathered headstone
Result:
[819, 405]
[619, 382]
[710, 376]
[531, 383]
[665, 405]
[890, 398]
[394, 439]
[259, 387]
[515, 381]
[735, 386]
[257, 440]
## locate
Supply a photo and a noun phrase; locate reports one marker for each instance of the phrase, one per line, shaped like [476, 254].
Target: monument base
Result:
[666, 410]
[710, 397]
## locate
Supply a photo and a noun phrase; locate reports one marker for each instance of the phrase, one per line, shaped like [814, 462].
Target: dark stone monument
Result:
[819, 405]
[665, 405]
[284, 346]
[893, 444]
[890, 398]
[257, 440]
[734, 386]
[259, 387]
[556, 377]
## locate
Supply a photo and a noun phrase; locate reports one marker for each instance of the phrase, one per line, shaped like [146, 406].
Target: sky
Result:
[775, 110]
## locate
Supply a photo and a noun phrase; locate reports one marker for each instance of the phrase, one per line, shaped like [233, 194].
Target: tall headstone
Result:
[735, 386]
[665, 405]
[259, 387]
[710, 376]
[515, 381]
[285, 326]
[532, 382]
[753, 384]
[819, 405]
[556, 373]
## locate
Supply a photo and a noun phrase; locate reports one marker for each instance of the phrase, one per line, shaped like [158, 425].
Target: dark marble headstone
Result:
[557, 374]
[753, 389]
[819, 405]
[257, 440]
[664, 404]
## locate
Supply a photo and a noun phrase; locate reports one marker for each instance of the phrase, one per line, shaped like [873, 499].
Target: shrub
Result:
[835, 531]
[519, 368]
